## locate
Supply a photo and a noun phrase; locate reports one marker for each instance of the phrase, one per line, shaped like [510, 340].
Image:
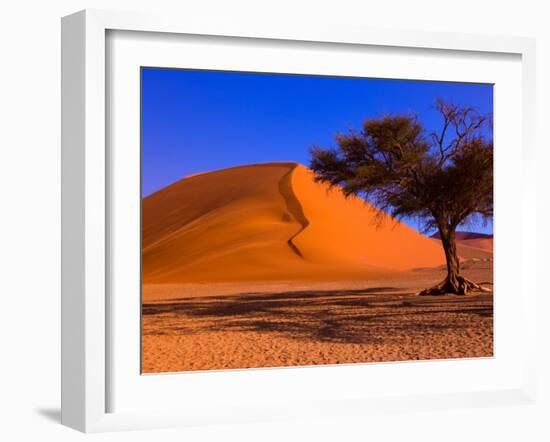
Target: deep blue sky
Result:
[196, 121]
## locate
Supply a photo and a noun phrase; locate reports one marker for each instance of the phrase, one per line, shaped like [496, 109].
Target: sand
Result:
[271, 222]
[358, 322]
[259, 266]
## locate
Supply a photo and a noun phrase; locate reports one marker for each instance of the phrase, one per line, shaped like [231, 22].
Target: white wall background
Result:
[30, 215]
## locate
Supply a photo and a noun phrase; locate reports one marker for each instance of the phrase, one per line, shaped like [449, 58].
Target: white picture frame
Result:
[86, 204]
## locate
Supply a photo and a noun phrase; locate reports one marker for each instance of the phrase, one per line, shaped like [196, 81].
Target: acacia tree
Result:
[442, 178]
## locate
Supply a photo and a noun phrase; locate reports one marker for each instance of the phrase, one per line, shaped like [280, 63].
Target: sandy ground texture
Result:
[356, 323]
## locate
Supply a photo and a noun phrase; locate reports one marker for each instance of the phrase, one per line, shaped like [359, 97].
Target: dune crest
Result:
[271, 222]
[293, 205]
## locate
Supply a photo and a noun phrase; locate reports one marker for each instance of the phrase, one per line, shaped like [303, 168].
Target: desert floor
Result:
[228, 326]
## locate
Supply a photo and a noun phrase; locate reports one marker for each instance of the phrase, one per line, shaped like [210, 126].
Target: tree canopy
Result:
[439, 177]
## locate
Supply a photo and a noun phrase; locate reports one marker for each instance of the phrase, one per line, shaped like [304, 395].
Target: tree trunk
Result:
[448, 239]
[453, 283]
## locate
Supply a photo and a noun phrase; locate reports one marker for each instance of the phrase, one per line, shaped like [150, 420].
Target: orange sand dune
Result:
[343, 229]
[270, 222]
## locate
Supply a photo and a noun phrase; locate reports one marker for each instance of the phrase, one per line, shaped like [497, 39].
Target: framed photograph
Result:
[266, 222]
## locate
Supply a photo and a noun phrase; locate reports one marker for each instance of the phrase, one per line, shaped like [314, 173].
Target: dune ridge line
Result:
[293, 205]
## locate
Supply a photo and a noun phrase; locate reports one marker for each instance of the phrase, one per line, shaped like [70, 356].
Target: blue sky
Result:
[196, 121]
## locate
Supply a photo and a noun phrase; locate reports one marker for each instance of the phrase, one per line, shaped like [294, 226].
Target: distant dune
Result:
[463, 235]
[476, 240]
[479, 243]
[272, 222]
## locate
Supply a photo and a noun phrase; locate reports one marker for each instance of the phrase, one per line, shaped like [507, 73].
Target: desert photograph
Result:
[302, 220]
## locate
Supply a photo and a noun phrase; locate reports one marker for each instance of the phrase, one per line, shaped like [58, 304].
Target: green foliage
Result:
[441, 178]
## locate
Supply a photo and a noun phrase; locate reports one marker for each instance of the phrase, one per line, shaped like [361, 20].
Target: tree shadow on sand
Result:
[373, 315]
